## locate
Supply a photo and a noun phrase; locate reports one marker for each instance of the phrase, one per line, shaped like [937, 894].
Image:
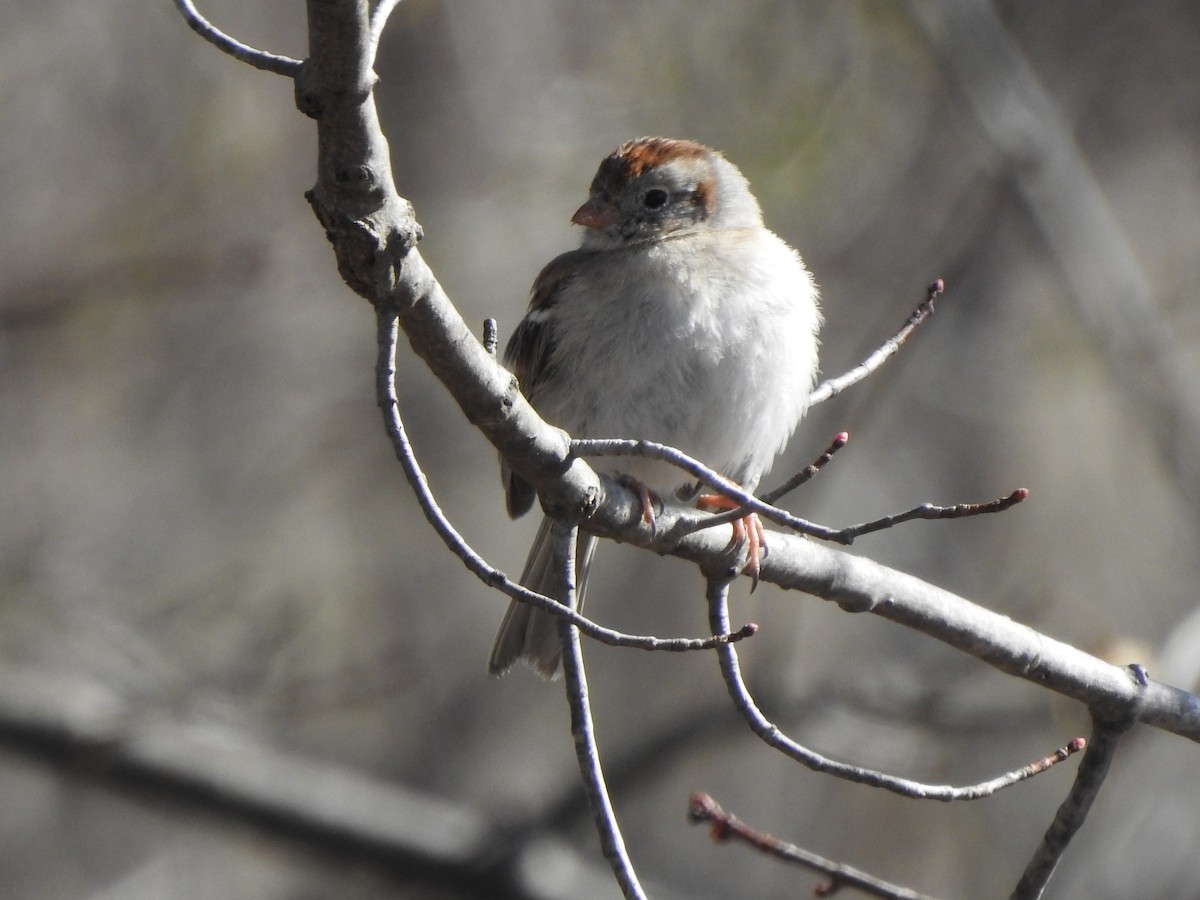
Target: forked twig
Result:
[718, 614]
[726, 826]
[834, 386]
[260, 59]
[930, 511]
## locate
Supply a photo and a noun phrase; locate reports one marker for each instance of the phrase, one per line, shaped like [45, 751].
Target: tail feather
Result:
[528, 634]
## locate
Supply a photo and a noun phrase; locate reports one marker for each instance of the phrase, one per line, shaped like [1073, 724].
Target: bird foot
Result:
[646, 496]
[747, 530]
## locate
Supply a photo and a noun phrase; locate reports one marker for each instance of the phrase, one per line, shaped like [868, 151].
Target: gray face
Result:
[660, 201]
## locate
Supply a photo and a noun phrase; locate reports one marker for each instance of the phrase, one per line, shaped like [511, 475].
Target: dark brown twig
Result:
[807, 474]
[771, 497]
[725, 827]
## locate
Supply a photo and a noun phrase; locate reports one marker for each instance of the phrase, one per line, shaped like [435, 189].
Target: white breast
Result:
[707, 343]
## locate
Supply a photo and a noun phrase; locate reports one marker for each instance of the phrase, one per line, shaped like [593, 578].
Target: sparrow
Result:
[680, 319]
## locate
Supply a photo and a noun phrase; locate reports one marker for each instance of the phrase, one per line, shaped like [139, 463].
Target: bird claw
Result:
[647, 498]
[748, 531]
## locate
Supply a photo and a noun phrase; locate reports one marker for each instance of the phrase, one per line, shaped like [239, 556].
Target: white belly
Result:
[715, 359]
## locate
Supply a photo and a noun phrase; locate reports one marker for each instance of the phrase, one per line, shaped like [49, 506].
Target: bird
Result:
[679, 319]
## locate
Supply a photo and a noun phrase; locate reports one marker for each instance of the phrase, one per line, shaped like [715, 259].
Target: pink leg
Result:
[747, 530]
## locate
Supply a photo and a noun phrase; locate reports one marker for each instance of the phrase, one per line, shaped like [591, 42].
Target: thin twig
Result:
[835, 386]
[718, 614]
[260, 59]
[379, 17]
[809, 472]
[388, 400]
[726, 826]
[1102, 747]
[583, 730]
[927, 511]
[930, 511]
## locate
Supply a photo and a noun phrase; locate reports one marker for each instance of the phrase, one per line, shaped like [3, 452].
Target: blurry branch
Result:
[54, 295]
[94, 734]
[1107, 283]
[718, 611]
[725, 826]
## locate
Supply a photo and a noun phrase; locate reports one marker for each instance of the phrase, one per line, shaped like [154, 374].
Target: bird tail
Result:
[528, 634]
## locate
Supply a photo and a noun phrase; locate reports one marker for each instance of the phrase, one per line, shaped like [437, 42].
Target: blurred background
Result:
[206, 543]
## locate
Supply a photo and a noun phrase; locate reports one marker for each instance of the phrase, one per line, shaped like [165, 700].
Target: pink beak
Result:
[595, 213]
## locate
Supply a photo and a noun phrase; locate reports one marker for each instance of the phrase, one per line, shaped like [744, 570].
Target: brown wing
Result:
[529, 356]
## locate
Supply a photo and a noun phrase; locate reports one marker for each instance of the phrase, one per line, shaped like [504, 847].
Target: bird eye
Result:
[655, 198]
